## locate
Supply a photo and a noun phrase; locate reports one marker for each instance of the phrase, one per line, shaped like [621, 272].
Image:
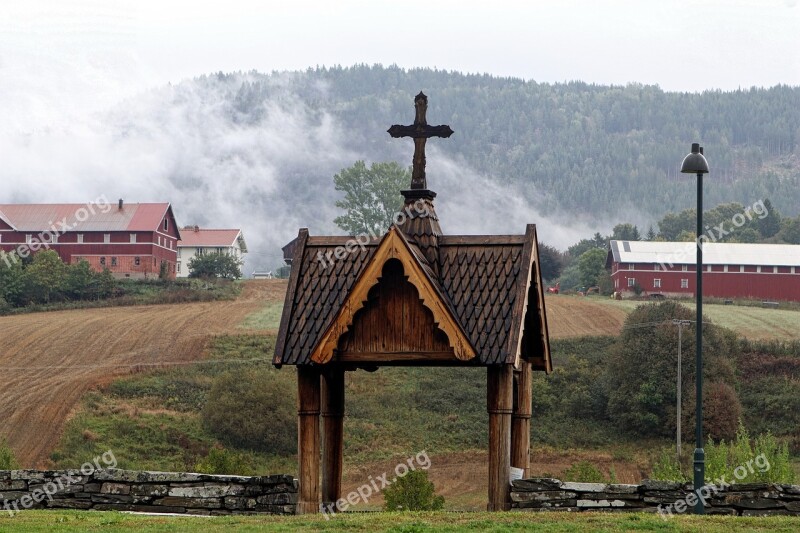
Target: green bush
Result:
[5, 307]
[412, 492]
[253, 408]
[584, 472]
[743, 460]
[224, 462]
[7, 459]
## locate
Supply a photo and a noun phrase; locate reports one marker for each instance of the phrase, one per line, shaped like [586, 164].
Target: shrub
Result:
[253, 408]
[583, 472]
[7, 459]
[223, 462]
[738, 461]
[668, 468]
[412, 492]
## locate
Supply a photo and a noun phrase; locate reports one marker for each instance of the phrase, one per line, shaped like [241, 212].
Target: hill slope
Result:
[49, 360]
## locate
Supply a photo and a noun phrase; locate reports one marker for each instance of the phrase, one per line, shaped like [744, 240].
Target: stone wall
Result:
[751, 499]
[150, 492]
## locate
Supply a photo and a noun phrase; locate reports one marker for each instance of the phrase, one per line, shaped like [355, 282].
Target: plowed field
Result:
[49, 360]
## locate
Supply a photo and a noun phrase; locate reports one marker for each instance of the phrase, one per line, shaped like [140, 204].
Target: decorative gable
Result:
[394, 271]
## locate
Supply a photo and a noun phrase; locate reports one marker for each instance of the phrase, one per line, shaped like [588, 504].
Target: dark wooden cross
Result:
[420, 132]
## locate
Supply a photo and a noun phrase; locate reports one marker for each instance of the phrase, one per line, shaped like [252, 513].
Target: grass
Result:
[80, 521]
[747, 320]
[268, 317]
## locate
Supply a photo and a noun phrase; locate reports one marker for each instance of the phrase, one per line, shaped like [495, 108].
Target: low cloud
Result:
[243, 151]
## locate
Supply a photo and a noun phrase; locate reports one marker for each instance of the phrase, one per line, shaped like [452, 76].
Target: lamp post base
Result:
[699, 478]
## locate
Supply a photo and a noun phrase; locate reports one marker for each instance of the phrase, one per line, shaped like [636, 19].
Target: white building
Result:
[197, 241]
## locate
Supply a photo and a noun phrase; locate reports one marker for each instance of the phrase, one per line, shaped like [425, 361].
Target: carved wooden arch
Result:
[393, 247]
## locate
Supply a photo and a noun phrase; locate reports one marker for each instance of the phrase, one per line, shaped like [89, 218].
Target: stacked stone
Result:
[148, 492]
[745, 499]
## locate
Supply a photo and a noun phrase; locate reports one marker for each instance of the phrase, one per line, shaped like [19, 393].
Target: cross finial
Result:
[420, 132]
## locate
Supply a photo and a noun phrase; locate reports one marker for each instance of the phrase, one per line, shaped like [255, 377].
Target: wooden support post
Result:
[308, 399]
[499, 399]
[521, 419]
[332, 434]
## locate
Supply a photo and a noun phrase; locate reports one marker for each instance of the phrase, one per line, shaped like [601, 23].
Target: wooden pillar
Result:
[499, 399]
[332, 434]
[308, 399]
[521, 419]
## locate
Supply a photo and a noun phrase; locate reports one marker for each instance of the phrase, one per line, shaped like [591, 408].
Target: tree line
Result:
[574, 147]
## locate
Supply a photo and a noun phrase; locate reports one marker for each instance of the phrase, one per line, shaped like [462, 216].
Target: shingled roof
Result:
[491, 283]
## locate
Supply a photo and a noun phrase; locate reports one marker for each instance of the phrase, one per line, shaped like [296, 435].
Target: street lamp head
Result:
[695, 162]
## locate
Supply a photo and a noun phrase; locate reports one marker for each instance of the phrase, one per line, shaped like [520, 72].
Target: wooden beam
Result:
[332, 434]
[389, 357]
[499, 399]
[308, 399]
[521, 419]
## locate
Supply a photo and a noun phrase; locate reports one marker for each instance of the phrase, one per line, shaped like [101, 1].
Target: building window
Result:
[220, 250]
[631, 282]
[103, 261]
[758, 269]
[201, 251]
[656, 283]
[106, 238]
[166, 224]
[657, 267]
[113, 261]
[80, 238]
[684, 283]
[28, 238]
[774, 270]
[179, 266]
[616, 284]
[685, 268]
[137, 261]
[133, 238]
[630, 266]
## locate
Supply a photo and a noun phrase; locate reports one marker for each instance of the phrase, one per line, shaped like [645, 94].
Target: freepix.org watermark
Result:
[375, 485]
[417, 209]
[715, 233]
[760, 462]
[56, 228]
[59, 484]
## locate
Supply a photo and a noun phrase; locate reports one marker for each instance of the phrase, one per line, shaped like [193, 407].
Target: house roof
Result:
[484, 281]
[684, 253]
[85, 217]
[195, 237]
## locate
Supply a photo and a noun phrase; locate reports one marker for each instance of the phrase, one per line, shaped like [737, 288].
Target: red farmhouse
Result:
[731, 270]
[131, 240]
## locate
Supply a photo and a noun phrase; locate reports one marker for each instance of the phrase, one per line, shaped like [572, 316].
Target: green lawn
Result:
[749, 321]
[75, 521]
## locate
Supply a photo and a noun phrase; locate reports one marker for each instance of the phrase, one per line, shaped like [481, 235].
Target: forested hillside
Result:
[581, 147]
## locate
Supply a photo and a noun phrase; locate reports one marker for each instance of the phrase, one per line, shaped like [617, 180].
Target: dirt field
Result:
[574, 316]
[461, 477]
[49, 360]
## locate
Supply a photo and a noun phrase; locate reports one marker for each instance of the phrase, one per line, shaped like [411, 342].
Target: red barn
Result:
[131, 240]
[730, 270]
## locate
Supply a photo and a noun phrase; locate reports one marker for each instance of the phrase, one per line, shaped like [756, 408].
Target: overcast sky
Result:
[100, 50]
[67, 67]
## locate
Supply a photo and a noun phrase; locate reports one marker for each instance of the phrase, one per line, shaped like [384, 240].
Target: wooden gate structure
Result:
[414, 297]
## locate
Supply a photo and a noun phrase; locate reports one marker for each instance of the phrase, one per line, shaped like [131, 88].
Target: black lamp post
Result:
[695, 163]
